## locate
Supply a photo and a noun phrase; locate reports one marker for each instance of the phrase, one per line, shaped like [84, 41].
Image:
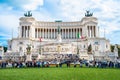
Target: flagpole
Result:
[12, 33]
[78, 35]
[40, 46]
[39, 49]
[77, 46]
[104, 32]
[98, 31]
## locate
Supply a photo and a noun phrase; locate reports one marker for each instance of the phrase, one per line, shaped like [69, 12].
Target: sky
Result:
[107, 12]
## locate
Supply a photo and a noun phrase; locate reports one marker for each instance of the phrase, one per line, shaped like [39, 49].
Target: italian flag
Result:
[79, 36]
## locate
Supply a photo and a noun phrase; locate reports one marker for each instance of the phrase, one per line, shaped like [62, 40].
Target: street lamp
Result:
[59, 49]
[77, 48]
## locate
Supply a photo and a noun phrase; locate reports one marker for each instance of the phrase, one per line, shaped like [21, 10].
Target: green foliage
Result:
[5, 49]
[112, 48]
[59, 74]
[118, 50]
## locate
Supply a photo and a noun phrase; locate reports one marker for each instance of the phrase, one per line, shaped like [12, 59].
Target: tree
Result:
[112, 48]
[118, 50]
[5, 49]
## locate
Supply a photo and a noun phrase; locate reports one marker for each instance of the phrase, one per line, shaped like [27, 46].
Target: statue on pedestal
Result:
[28, 56]
[39, 55]
[59, 39]
[59, 30]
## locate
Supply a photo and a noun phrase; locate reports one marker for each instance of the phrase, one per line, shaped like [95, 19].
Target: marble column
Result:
[48, 33]
[43, 33]
[88, 31]
[54, 33]
[24, 31]
[22, 34]
[28, 31]
[65, 33]
[92, 31]
[68, 33]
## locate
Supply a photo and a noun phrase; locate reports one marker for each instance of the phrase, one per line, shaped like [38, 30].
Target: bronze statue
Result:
[28, 49]
[88, 14]
[58, 29]
[28, 14]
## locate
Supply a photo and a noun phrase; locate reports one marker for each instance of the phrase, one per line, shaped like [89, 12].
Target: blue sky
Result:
[107, 12]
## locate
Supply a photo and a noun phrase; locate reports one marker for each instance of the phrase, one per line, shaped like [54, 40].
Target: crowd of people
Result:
[70, 60]
[59, 63]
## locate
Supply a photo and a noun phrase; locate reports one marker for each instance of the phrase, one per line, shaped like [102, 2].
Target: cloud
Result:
[32, 4]
[23, 4]
[114, 37]
[107, 12]
[2, 34]
[3, 38]
[9, 21]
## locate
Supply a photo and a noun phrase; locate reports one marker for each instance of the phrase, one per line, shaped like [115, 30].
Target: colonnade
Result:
[51, 33]
[25, 31]
[91, 31]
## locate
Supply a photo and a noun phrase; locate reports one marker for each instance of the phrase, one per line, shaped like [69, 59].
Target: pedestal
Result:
[59, 39]
[39, 57]
[29, 57]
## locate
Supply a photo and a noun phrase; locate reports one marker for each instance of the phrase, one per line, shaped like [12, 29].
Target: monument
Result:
[59, 37]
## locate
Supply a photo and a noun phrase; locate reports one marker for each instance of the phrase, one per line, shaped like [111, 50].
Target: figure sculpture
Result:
[28, 14]
[88, 14]
[59, 30]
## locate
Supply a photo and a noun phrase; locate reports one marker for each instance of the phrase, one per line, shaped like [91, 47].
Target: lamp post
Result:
[78, 36]
[39, 49]
[58, 50]
[39, 53]
[77, 48]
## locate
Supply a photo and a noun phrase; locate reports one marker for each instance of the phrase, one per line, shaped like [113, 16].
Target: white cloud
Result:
[107, 12]
[42, 16]
[3, 34]
[73, 10]
[32, 4]
[9, 21]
